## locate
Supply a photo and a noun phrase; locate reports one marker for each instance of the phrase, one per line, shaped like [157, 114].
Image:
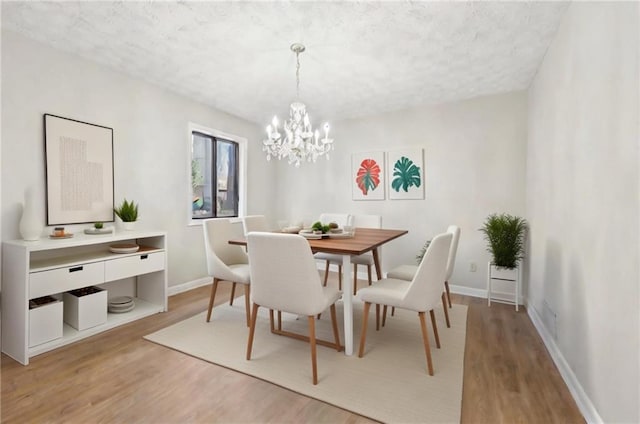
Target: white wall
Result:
[474, 155]
[150, 142]
[582, 201]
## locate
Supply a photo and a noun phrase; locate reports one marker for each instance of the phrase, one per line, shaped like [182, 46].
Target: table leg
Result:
[347, 301]
[376, 262]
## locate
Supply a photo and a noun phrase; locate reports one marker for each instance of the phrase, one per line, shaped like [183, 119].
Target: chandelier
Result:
[299, 142]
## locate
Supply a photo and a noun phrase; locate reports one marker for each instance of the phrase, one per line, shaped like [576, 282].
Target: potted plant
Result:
[128, 213]
[505, 234]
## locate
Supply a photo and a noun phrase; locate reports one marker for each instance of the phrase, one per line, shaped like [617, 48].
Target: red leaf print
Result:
[368, 177]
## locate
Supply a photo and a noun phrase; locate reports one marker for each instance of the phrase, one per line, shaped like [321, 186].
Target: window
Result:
[217, 180]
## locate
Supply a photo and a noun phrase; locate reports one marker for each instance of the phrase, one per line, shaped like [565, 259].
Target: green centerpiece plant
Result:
[505, 235]
[319, 227]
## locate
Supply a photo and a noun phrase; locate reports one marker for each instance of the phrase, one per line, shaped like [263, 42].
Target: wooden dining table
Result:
[364, 240]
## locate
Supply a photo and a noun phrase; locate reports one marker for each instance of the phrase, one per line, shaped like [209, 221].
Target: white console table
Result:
[32, 269]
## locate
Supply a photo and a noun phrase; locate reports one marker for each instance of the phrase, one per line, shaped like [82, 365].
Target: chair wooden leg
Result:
[247, 293]
[384, 315]
[326, 273]
[446, 287]
[214, 287]
[312, 341]
[363, 335]
[369, 274]
[334, 324]
[377, 317]
[279, 320]
[233, 294]
[272, 326]
[446, 311]
[252, 329]
[355, 278]
[425, 339]
[435, 328]
[393, 310]
[339, 277]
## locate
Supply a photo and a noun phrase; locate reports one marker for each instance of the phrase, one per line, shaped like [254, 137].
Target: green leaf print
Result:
[406, 174]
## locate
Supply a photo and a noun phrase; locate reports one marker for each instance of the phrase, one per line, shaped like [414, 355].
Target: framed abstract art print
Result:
[406, 174]
[367, 176]
[79, 171]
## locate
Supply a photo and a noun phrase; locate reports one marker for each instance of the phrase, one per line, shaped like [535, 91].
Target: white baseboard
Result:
[482, 293]
[468, 291]
[179, 288]
[582, 400]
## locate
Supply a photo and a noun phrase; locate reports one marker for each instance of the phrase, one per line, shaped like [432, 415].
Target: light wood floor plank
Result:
[117, 376]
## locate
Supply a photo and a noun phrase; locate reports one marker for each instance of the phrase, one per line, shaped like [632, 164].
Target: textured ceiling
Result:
[362, 58]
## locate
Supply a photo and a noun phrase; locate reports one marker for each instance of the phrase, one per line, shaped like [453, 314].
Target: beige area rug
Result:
[390, 383]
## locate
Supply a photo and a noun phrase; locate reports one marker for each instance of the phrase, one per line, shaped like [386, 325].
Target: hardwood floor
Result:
[117, 376]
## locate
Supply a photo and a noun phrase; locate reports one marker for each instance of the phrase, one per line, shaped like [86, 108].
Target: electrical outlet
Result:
[473, 267]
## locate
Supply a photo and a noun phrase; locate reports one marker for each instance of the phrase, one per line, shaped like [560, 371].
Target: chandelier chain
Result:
[297, 75]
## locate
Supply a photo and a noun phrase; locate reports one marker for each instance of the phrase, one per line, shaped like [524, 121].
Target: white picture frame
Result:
[79, 171]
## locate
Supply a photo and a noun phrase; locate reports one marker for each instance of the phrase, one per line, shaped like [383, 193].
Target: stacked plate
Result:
[121, 304]
[124, 248]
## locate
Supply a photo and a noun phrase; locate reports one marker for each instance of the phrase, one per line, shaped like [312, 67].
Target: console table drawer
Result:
[130, 266]
[64, 279]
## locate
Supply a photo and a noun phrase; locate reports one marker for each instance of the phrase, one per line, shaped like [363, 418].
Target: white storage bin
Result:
[45, 320]
[85, 308]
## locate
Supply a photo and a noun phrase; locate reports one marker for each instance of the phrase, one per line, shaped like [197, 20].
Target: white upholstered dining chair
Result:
[407, 272]
[343, 220]
[284, 278]
[366, 259]
[421, 294]
[225, 262]
[254, 223]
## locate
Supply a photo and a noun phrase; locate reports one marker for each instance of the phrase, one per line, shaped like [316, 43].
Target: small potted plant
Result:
[505, 235]
[128, 213]
[98, 225]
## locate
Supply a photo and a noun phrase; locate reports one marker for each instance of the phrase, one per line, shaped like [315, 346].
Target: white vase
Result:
[30, 226]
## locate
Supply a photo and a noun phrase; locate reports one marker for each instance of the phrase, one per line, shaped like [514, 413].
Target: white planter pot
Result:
[504, 273]
[129, 226]
[503, 278]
